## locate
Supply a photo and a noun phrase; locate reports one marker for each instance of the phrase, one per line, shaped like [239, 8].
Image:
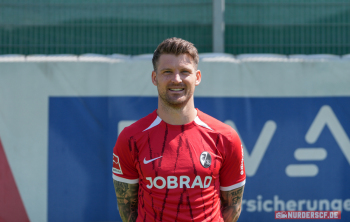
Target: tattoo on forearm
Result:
[127, 198]
[235, 200]
[231, 202]
[237, 192]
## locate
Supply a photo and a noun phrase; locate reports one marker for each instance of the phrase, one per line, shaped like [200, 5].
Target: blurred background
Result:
[137, 26]
[74, 73]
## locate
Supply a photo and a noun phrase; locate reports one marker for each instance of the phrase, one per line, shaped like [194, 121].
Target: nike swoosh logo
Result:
[148, 161]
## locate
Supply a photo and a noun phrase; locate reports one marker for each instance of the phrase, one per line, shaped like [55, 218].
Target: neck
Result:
[177, 115]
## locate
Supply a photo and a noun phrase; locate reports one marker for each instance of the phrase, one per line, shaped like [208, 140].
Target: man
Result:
[178, 163]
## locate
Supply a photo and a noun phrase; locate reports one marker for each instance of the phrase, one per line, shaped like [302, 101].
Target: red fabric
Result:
[11, 205]
[173, 183]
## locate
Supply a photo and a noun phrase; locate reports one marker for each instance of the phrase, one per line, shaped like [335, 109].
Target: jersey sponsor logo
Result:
[148, 161]
[116, 165]
[205, 159]
[172, 182]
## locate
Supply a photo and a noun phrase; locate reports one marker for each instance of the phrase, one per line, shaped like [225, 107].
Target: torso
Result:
[178, 168]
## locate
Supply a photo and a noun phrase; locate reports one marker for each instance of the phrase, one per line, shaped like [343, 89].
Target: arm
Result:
[231, 204]
[127, 198]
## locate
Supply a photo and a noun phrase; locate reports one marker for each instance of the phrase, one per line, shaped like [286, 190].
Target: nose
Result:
[177, 77]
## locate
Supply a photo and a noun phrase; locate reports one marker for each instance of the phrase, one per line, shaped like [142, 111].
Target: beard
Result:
[175, 101]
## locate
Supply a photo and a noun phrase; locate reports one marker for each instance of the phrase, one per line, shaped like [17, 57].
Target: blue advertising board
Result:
[297, 152]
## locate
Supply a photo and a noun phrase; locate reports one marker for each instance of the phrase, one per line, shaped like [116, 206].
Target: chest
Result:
[178, 154]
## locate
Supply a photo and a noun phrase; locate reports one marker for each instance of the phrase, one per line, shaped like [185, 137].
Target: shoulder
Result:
[217, 126]
[140, 125]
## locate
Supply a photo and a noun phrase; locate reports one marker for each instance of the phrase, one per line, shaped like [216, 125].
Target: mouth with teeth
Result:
[177, 90]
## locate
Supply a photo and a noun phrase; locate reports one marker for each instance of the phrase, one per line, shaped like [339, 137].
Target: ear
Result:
[154, 78]
[198, 77]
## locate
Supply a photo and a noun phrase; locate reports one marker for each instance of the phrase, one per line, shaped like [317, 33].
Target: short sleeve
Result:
[232, 173]
[124, 169]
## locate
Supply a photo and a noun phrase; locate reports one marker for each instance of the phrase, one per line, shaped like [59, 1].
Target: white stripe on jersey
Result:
[120, 179]
[155, 123]
[233, 186]
[201, 123]
[196, 120]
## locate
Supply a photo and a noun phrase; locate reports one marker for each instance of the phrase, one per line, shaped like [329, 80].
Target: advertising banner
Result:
[59, 122]
[297, 152]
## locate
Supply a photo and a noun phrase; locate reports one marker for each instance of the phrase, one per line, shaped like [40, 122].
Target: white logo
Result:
[148, 161]
[116, 165]
[173, 182]
[281, 215]
[242, 161]
[205, 159]
[325, 117]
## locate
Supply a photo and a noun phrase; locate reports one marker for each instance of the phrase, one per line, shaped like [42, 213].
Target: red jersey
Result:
[180, 169]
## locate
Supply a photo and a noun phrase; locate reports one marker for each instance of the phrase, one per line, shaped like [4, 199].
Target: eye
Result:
[186, 72]
[167, 72]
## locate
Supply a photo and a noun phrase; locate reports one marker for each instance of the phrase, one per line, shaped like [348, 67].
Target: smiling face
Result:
[176, 78]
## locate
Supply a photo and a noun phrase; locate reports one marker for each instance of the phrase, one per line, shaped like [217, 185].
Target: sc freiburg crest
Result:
[205, 159]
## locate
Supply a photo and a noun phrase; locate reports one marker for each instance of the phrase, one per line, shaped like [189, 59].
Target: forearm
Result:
[231, 204]
[231, 214]
[127, 198]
